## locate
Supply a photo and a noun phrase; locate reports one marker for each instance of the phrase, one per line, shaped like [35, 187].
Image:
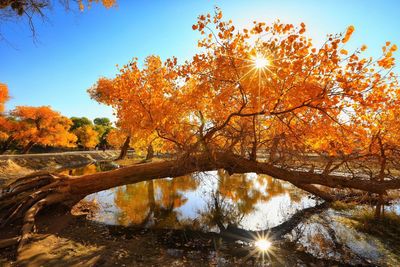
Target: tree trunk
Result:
[124, 148]
[150, 152]
[379, 209]
[28, 147]
[25, 197]
[6, 144]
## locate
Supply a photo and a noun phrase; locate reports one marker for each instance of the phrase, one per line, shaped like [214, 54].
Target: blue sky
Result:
[73, 49]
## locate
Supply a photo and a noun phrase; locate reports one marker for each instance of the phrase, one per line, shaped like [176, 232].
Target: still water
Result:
[200, 201]
[206, 200]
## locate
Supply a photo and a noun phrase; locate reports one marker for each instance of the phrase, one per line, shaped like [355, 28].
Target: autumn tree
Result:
[9, 128]
[5, 124]
[42, 126]
[88, 137]
[119, 139]
[4, 97]
[263, 99]
[101, 125]
[116, 138]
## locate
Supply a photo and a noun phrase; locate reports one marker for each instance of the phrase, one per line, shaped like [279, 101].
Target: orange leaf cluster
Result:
[42, 125]
[4, 97]
[266, 87]
[87, 136]
[88, 3]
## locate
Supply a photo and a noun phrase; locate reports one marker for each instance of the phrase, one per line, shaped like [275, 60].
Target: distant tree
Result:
[103, 126]
[5, 124]
[42, 125]
[4, 97]
[88, 137]
[79, 122]
[9, 128]
[102, 121]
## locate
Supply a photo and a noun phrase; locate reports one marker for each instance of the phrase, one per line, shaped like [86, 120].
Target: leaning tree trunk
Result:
[124, 148]
[25, 197]
[28, 147]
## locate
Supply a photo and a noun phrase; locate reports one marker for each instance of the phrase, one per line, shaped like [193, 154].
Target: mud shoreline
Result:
[14, 166]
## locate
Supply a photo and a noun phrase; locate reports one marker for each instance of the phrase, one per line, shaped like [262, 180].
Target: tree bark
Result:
[6, 144]
[28, 147]
[150, 152]
[124, 148]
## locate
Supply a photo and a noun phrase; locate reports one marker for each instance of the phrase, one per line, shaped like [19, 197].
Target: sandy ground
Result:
[14, 166]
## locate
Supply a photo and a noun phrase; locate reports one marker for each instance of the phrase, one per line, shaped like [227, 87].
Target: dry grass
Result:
[341, 206]
[386, 228]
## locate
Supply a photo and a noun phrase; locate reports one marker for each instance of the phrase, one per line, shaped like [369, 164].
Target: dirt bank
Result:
[13, 166]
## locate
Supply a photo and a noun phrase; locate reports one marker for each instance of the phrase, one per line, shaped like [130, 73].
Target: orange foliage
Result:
[3, 96]
[116, 138]
[105, 3]
[87, 136]
[42, 125]
[302, 98]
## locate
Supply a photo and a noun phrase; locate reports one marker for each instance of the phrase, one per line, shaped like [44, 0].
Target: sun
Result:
[260, 62]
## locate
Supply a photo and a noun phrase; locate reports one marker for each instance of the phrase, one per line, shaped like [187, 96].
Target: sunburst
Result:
[260, 62]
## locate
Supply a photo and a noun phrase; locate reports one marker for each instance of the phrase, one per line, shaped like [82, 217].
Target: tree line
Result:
[25, 126]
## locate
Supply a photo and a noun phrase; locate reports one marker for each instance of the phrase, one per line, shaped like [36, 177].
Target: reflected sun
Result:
[262, 244]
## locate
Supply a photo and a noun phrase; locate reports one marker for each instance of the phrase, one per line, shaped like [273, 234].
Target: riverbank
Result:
[14, 166]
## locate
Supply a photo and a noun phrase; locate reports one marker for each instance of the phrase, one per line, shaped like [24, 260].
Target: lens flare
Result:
[263, 244]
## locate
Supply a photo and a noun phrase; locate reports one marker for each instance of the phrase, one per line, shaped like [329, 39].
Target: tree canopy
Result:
[79, 122]
[42, 125]
[102, 122]
[87, 136]
[265, 91]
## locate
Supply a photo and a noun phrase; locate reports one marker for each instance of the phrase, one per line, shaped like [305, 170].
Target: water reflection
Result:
[210, 201]
[91, 168]
[206, 201]
[156, 203]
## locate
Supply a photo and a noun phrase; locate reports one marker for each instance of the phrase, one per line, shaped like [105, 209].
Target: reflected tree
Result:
[153, 202]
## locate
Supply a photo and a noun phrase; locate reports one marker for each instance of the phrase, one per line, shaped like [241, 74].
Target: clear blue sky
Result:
[74, 49]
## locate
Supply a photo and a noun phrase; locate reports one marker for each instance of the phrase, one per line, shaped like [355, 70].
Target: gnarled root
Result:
[25, 198]
[29, 218]
[9, 242]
